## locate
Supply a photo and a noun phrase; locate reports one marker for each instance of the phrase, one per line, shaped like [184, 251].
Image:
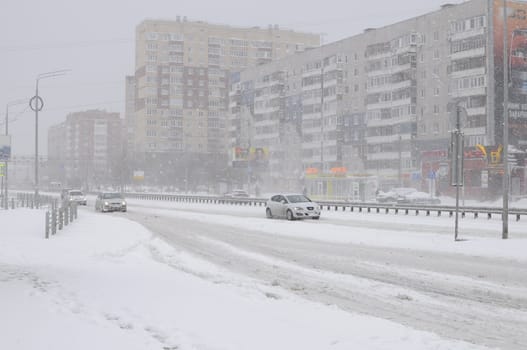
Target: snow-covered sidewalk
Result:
[105, 282]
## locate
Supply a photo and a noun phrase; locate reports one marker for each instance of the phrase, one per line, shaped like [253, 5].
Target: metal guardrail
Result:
[360, 207]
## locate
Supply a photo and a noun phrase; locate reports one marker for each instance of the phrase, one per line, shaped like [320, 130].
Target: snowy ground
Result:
[106, 282]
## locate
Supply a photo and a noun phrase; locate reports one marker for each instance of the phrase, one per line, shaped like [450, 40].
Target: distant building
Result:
[86, 150]
[182, 73]
[375, 103]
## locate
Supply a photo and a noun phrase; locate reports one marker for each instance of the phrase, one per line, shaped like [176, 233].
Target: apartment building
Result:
[182, 81]
[86, 150]
[383, 103]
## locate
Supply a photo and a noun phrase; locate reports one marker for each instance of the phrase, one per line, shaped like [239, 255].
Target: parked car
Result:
[77, 196]
[418, 198]
[237, 194]
[394, 194]
[292, 206]
[110, 201]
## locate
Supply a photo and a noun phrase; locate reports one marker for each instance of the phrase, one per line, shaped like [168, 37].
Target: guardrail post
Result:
[369, 210]
[517, 217]
[475, 215]
[47, 224]
[451, 213]
[61, 215]
[66, 215]
[54, 221]
[428, 212]
[439, 213]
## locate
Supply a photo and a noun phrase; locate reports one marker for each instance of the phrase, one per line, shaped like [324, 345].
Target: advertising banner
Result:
[517, 59]
[5, 148]
[139, 175]
[257, 157]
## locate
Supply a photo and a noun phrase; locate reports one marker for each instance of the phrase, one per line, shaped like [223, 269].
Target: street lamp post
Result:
[505, 215]
[36, 103]
[9, 104]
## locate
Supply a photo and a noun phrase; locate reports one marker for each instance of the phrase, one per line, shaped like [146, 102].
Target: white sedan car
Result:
[292, 206]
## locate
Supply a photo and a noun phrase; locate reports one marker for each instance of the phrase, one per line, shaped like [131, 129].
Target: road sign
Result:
[5, 148]
[36, 103]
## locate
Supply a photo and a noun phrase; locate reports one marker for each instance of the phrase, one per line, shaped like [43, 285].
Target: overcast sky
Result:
[95, 39]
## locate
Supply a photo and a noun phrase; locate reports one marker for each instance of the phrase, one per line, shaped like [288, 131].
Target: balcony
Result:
[388, 104]
[466, 34]
[391, 121]
[468, 73]
[468, 53]
[386, 138]
[390, 87]
[469, 92]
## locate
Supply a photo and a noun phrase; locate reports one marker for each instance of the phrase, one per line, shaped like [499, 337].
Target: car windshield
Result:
[298, 198]
[111, 195]
[76, 193]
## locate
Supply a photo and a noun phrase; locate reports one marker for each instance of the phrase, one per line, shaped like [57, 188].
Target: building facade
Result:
[86, 150]
[376, 104]
[182, 75]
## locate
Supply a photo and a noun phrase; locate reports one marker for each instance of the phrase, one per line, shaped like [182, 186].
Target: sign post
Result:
[457, 157]
[5, 155]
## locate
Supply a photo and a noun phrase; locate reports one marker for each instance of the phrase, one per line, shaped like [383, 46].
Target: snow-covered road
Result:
[403, 268]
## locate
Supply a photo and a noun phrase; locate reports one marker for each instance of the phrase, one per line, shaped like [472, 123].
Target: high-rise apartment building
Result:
[383, 103]
[182, 76]
[86, 150]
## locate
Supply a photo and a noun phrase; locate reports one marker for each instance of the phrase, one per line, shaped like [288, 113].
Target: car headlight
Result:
[124, 203]
[106, 203]
[299, 208]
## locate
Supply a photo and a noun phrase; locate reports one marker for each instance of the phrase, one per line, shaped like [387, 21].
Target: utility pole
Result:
[322, 116]
[5, 165]
[505, 215]
[400, 167]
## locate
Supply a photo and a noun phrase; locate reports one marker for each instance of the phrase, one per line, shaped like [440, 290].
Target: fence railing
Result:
[60, 216]
[366, 207]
